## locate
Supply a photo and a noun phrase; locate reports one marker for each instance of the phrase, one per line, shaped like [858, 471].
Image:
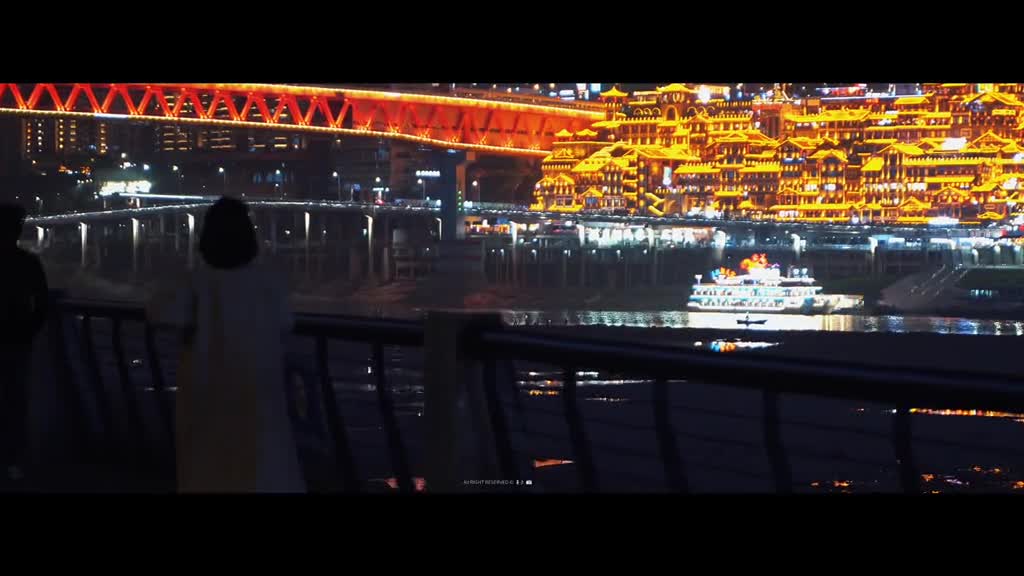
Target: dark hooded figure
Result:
[23, 306]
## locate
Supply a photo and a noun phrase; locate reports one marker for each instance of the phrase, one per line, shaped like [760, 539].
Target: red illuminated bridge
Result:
[482, 124]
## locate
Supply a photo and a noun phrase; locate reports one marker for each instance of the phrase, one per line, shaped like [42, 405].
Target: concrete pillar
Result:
[453, 180]
[306, 227]
[718, 241]
[625, 270]
[135, 245]
[84, 229]
[355, 268]
[161, 226]
[873, 247]
[273, 233]
[515, 252]
[651, 246]
[102, 242]
[177, 235]
[190, 221]
[369, 244]
[565, 267]
[385, 264]
[583, 266]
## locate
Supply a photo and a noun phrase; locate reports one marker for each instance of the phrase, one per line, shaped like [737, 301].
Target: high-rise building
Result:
[53, 140]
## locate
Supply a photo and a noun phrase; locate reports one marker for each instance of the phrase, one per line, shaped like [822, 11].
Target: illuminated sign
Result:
[130, 187]
[428, 173]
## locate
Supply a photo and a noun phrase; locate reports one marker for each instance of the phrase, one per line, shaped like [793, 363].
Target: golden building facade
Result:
[953, 152]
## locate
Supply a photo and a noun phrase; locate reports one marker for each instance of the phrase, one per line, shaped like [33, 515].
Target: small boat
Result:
[747, 321]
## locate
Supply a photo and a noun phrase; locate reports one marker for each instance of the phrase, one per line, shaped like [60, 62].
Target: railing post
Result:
[910, 480]
[386, 405]
[668, 446]
[455, 411]
[54, 426]
[99, 388]
[582, 453]
[773, 443]
[335, 424]
[499, 424]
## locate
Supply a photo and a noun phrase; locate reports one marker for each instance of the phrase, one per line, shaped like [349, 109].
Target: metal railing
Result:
[772, 377]
[492, 354]
[106, 421]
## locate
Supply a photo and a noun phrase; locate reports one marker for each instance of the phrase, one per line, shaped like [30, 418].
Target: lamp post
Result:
[423, 183]
[224, 177]
[337, 178]
[476, 190]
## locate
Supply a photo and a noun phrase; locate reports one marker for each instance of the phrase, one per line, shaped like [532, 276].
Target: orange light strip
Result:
[454, 101]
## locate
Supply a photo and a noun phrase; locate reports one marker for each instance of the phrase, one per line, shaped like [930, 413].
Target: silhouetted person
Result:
[233, 428]
[23, 305]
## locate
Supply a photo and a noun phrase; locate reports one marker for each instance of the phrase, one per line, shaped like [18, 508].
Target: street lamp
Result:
[423, 183]
[337, 179]
[224, 176]
[476, 189]
[145, 167]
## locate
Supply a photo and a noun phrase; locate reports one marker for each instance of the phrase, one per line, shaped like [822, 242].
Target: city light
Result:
[125, 187]
[693, 151]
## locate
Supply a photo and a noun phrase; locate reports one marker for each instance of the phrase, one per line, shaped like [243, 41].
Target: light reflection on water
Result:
[783, 322]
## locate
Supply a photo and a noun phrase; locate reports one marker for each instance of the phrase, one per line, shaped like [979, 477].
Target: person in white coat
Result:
[233, 430]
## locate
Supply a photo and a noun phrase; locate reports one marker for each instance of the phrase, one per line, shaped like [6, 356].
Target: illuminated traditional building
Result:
[951, 152]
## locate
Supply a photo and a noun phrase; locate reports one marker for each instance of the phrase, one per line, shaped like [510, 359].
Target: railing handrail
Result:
[921, 388]
[925, 388]
[385, 330]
